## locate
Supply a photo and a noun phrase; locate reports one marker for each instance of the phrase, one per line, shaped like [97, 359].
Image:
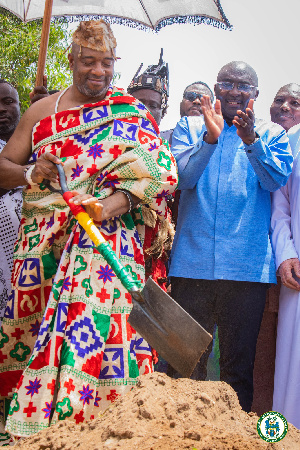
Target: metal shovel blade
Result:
[169, 329]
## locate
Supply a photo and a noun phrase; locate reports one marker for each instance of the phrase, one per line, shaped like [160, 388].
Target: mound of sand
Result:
[162, 413]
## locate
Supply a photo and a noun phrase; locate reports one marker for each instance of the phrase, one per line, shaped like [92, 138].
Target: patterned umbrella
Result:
[153, 14]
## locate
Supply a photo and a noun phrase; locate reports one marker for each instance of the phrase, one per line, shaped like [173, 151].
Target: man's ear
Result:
[71, 61]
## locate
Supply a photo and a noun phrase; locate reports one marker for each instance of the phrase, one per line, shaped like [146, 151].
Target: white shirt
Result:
[10, 214]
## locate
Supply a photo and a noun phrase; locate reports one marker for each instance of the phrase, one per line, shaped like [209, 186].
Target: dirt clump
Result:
[161, 413]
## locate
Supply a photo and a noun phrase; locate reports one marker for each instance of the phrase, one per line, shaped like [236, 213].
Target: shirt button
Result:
[249, 151]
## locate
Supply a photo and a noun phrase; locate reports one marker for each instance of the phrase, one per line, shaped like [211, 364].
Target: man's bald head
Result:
[293, 88]
[238, 67]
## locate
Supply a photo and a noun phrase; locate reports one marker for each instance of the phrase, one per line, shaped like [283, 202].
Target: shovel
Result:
[167, 327]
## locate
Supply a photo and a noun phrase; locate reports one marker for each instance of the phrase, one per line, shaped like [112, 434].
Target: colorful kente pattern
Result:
[65, 331]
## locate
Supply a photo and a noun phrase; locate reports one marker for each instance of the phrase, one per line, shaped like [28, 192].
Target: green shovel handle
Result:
[121, 272]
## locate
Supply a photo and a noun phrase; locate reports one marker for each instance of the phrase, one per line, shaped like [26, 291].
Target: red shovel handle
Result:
[76, 209]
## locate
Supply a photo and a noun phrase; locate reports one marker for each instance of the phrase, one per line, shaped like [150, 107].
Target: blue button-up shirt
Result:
[224, 210]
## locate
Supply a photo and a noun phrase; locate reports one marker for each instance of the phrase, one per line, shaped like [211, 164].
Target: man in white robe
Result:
[285, 225]
[10, 201]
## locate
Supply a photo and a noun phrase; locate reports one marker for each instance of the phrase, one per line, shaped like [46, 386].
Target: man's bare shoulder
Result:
[42, 108]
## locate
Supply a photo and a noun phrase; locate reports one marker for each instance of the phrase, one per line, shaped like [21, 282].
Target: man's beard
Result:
[85, 90]
[7, 130]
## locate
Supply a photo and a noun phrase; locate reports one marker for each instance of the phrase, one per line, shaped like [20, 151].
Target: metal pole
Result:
[44, 43]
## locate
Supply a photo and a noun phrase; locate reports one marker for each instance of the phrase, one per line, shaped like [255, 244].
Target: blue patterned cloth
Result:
[224, 210]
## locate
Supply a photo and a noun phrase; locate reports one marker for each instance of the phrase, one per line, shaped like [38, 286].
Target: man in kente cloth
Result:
[67, 350]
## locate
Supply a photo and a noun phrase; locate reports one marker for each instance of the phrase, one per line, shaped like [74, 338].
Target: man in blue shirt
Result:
[222, 261]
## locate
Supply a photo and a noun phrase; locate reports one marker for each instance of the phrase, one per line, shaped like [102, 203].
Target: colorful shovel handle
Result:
[101, 244]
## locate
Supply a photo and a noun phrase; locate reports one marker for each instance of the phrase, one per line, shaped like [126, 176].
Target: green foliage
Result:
[19, 51]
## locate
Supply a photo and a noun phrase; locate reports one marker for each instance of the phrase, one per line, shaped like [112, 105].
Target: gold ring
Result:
[245, 124]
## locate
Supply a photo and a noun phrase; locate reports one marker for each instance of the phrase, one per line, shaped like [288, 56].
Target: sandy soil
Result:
[162, 413]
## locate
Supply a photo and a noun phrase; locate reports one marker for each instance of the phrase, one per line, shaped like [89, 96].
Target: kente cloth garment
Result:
[10, 214]
[285, 225]
[225, 190]
[85, 353]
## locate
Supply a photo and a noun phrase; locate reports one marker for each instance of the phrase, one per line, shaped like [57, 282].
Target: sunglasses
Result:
[191, 96]
[228, 86]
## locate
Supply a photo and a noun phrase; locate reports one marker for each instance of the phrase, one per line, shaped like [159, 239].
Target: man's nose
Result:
[285, 105]
[197, 100]
[98, 69]
[3, 107]
[235, 90]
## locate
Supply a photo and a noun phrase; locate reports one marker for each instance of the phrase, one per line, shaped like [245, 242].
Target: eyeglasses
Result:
[228, 86]
[191, 96]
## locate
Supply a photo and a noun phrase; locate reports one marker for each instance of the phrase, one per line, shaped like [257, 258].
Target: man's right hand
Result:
[213, 118]
[45, 168]
[39, 92]
[286, 270]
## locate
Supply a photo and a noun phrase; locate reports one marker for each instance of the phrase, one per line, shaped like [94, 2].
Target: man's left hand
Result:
[91, 204]
[244, 122]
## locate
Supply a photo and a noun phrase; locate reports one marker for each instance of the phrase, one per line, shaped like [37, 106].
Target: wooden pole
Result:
[44, 43]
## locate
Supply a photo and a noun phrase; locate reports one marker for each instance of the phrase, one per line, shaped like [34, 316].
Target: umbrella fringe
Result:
[221, 11]
[195, 20]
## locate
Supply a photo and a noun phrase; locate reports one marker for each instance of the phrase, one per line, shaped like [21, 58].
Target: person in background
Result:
[286, 243]
[285, 111]
[221, 259]
[152, 88]
[10, 200]
[10, 213]
[190, 104]
[67, 349]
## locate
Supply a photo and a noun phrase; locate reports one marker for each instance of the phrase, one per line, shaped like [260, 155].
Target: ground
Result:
[165, 414]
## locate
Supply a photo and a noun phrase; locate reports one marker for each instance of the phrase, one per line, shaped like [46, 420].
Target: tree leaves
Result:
[19, 51]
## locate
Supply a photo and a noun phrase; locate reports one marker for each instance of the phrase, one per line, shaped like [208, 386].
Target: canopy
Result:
[148, 13]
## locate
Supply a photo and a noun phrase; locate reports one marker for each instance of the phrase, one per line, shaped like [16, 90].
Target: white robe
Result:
[285, 225]
[10, 215]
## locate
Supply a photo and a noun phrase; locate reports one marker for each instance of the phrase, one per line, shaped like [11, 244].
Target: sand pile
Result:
[162, 413]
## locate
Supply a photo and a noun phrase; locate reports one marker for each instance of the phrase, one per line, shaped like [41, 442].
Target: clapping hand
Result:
[213, 118]
[244, 122]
